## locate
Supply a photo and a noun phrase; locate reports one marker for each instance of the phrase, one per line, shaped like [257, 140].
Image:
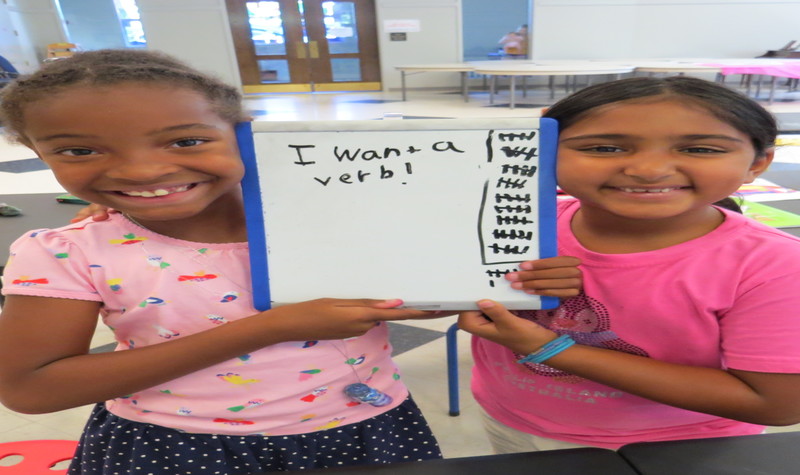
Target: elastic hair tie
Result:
[549, 350]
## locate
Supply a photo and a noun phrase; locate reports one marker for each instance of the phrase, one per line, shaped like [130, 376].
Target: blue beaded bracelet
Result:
[548, 350]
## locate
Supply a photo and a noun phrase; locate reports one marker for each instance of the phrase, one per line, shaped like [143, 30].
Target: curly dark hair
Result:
[108, 67]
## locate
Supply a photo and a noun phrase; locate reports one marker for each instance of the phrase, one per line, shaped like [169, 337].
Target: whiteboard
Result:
[431, 211]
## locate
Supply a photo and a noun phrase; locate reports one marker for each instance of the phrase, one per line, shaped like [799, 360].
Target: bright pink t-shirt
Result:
[728, 299]
[154, 288]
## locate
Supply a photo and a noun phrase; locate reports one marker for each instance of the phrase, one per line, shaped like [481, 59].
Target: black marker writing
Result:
[506, 232]
[512, 209]
[525, 152]
[443, 148]
[360, 176]
[508, 249]
[511, 183]
[512, 136]
[497, 272]
[365, 155]
[297, 148]
[512, 234]
[501, 220]
[524, 170]
[499, 197]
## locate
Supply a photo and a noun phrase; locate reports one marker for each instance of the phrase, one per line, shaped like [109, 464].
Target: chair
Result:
[38, 456]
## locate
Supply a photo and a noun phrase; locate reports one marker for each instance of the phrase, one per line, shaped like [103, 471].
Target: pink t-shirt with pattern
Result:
[154, 288]
[728, 299]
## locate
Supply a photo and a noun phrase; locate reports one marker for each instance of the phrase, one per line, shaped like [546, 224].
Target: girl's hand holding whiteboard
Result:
[553, 277]
[495, 323]
[333, 319]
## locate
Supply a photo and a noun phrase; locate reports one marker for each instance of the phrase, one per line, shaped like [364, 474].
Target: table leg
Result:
[464, 86]
[511, 90]
[772, 89]
[491, 87]
[403, 83]
[758, 85]
[551, 83]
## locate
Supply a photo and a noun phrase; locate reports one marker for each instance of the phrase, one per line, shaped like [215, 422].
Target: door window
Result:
[305, 45]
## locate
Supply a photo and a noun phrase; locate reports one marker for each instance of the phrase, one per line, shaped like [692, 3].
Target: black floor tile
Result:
[22, 166]
[405, 337]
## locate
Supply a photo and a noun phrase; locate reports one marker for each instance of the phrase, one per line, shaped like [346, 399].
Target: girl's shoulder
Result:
[740, 227]
[566, 205]
[755, 248]
[117, 232]
[83, 233]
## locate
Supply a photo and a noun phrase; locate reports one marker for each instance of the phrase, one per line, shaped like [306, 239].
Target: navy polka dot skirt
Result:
[111, 445]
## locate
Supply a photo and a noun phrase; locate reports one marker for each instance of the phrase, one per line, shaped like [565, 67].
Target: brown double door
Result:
[305, 45]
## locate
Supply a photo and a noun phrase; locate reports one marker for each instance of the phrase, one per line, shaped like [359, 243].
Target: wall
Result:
[619, 29]
[196, 31]
[12, 47]
[37, 23]
[438, 41]
[92, 24]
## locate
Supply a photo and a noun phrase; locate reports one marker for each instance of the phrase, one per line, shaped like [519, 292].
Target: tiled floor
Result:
[420, 346]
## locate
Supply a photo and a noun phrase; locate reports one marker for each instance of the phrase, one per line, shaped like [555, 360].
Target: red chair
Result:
[38, 456]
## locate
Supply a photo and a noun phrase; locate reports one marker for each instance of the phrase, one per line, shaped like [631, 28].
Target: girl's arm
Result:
[758, 398]
[45, 363]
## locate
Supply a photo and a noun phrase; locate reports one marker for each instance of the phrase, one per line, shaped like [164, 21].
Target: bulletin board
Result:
[431, 211]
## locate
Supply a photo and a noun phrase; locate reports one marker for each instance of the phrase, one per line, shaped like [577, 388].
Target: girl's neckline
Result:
[150, 233]
[610, 241]
[729, 225]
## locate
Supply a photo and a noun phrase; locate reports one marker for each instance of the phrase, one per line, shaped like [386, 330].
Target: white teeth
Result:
[156, 192]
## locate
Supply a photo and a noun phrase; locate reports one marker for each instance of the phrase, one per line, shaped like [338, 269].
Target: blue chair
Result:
[7, 71]
[452, 369]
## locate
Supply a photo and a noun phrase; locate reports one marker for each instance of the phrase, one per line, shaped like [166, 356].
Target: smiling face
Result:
[157, 153]
[654, 159]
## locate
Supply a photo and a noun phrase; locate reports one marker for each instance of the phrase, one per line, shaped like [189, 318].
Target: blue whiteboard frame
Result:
[256, 225]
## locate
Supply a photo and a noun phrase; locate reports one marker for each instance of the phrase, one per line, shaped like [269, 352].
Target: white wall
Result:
[37, 24]
[196, 31]
[623, 29]
[437, 41]
[92, 24]
[14, 45]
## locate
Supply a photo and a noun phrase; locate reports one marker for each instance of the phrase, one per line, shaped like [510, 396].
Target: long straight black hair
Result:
[727, 105]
